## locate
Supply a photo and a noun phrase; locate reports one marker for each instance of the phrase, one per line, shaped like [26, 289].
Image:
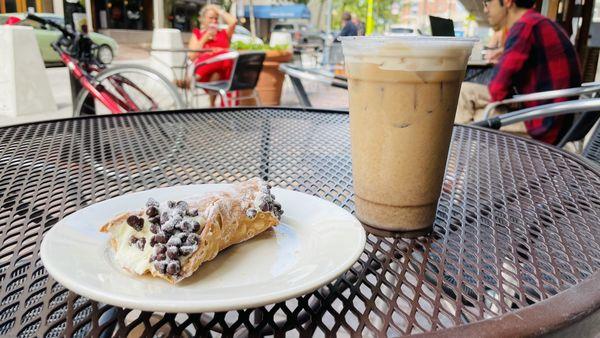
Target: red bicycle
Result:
[113, 90]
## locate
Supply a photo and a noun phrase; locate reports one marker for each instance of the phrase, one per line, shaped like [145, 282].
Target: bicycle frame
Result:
[113, 103]
[84, 68]
[101, 94]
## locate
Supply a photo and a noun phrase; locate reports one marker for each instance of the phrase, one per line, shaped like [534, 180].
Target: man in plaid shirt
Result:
[538, 56]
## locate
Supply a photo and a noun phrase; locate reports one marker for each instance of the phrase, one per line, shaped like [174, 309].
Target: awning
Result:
[279, 12]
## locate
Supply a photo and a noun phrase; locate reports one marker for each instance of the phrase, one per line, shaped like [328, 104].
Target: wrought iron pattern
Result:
[517, 222]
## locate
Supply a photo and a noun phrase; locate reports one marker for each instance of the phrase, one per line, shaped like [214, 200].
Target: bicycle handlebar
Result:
[43, 21]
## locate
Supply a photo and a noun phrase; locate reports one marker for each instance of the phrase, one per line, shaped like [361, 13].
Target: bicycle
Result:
[114, 90]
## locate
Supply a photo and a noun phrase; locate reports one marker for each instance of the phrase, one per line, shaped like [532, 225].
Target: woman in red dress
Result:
[210, 36]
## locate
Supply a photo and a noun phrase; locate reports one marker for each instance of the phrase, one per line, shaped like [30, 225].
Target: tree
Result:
[381, 12]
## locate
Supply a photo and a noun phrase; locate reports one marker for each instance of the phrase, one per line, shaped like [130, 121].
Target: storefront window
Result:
[19, 6]
[123, 14]
[183, 14]
[10, 6]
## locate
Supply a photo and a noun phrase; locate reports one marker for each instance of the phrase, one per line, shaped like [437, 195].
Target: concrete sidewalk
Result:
[321, 95]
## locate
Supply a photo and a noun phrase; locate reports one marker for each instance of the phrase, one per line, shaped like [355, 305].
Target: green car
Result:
[107, 46]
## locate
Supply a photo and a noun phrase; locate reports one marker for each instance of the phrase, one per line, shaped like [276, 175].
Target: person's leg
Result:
[472, 98]
[213, 97]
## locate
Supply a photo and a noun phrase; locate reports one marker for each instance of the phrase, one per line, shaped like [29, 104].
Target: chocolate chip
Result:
[141, 243]
[277, 208]
[164, 217]
[132, 239]
[251, 213]
[192, 212]
[265, 206]
[160, 257]
[160, 248]
[195, 226]
[184, 225]
[182, 236]
[154, 228]
[135, 222]
[152, 211]
[160, 266]
[174, 240]
[172, 252]
[173, 268]
[171, 204]
[192, 239]
[187, 226]
[168, 227]
[182, 205]
[160, 238]
[152, 203]
[187, 249]
[177, 219]
[154, 220]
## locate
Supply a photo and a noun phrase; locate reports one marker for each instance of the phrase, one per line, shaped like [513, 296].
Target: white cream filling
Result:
[130, 256]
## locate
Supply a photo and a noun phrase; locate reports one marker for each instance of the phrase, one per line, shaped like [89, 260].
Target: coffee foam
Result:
[409, 54]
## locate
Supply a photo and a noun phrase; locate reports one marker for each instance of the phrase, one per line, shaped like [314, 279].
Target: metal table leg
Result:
[300, 92]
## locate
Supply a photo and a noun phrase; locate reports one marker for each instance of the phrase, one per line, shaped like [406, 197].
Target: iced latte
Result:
[403, 96]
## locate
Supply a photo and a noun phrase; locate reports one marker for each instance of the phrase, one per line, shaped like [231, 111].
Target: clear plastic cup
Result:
[403, 96]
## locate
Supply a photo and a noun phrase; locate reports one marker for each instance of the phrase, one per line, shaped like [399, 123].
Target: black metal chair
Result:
[592, 149]
[244, 76]
[583, 121]
[589, 112]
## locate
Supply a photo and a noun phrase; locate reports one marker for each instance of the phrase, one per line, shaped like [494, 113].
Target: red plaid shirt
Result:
[538, 56]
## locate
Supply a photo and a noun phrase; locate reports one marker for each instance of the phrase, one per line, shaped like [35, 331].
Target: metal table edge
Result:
[182, 111]
[559, 311]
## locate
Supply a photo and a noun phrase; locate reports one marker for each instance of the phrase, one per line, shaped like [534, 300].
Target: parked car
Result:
[400, 30]
[241, 34]
[107, 50]
[301, 33]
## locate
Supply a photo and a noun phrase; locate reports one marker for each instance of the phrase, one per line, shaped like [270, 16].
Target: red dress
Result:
[223, 68]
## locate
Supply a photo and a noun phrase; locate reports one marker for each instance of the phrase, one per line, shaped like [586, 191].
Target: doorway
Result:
[20, 6]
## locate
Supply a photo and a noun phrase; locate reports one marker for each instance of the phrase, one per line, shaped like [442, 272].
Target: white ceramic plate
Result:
[315, 242]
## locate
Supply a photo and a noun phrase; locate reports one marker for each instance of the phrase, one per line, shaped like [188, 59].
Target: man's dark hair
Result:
[521, 3]
[346, 16]
[525, 3]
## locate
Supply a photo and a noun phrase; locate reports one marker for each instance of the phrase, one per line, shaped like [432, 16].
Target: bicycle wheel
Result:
[139, 87]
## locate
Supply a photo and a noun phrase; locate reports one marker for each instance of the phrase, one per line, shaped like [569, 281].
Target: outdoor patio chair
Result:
[582, 123]
[244, 76]
[592, 149]
[588, 109]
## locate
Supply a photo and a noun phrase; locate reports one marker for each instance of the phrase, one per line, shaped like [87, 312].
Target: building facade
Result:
[19, 6]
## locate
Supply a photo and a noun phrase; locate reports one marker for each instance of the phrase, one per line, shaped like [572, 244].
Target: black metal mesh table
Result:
[516, 236]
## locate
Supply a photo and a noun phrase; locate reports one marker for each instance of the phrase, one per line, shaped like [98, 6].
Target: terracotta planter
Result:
[271, 79]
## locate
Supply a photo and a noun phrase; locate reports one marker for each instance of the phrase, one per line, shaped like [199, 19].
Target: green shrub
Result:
[240, 45]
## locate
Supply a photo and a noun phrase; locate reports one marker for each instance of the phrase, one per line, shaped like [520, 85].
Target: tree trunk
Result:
[252, 22]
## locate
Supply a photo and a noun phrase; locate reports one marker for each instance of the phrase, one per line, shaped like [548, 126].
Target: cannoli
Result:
[170, 240]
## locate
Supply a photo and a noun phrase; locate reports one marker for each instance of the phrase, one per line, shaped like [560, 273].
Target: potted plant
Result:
[271, 79]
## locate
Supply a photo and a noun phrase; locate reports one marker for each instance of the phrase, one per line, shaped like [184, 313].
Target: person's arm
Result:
[345, 30]
[516, 52]
[196, 43]
[494, 55]
[230, 20]
[494, 40]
